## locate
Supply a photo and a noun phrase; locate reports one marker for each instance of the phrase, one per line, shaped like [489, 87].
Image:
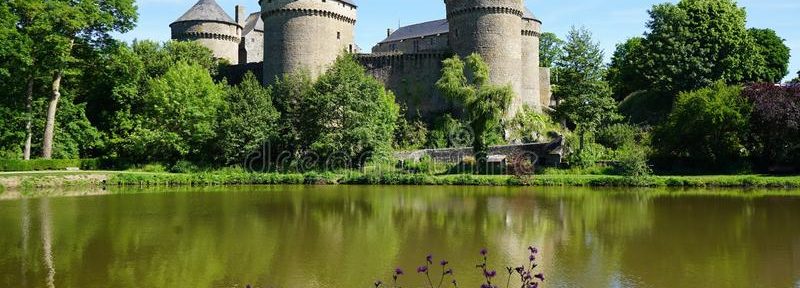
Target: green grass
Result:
[355, 178]
[238, 177]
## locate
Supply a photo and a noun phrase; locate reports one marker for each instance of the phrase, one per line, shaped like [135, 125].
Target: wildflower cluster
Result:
[528, 277]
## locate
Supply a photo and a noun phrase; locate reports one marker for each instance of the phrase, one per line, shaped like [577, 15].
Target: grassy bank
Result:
[89, 178]
[210, 179]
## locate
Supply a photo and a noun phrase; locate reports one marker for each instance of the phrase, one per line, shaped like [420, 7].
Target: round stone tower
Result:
[531, 30]
[492, 28]
[305, 35]
[209, 25]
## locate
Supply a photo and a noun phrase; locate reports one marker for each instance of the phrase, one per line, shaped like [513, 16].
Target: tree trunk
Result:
[29, 119]
[52, 107]
[50, 125]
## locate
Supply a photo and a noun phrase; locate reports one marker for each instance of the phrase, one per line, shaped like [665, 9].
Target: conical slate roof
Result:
[206, 10]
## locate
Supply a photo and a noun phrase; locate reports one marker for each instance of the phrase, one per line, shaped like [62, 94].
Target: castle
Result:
[292, 35]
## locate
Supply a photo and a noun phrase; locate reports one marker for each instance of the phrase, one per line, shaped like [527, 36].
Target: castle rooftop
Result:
[419, 30]
[253, 23]
[206, 10]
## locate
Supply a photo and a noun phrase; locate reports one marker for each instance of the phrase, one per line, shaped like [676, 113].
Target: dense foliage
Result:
[584, 97]
[775, 125]
[247, 121]
[550, 49]
[484, 104]
[706, 129]
[772, 48]
[348, 115]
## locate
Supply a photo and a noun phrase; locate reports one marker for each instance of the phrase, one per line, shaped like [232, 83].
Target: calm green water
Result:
[342, 236]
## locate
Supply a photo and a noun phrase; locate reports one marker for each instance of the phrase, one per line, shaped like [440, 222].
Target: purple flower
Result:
[444, 263]
[484, 252]
[532, 258]
[422, 269]
[448, 272]
[398, 271]
[484, 285]
[539, 276]
[533, 249]
[520, 269]
[533, 285]
[429, 258]
[490, 274]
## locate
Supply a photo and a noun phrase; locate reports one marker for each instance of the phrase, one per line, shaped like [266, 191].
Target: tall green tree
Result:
[623, 72]
[176, 119]
[467, 82]
[349, 116]
[247, 120]
[774, 51]
[550, 49]
[584, 97]
[695, 43]
[14, 60]
[56, 26]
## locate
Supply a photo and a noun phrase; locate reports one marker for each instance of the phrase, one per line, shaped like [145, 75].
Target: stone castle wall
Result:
[492, 28]
[222, 38]
[253, 45]
[412, 78]
[305, 35]
[530, 67]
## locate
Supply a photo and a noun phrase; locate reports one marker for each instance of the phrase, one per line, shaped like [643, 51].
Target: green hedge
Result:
[55, 164]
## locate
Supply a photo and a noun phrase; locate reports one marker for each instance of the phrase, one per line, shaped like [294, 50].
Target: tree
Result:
[584, 97]
[623, 72]
[484, 104]
[349, 116]
[14, 54]
[530, 126]
[291, 92]
[692, 44]
[775, 124]
[247, 120]
[550, 49]
[797, 80]
[177, 117]
[774, 51]
[707, 128]
[86, 23]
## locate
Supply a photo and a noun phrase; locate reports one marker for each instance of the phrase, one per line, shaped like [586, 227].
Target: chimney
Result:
[240, 15]
[388, 32]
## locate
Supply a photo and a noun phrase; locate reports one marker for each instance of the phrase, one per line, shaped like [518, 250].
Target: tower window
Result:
[338, 35]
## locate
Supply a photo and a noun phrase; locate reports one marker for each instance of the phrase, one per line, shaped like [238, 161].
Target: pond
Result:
[349, 236]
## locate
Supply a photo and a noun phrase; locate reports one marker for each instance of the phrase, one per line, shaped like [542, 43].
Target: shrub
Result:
[183, 167]
[530, 126]
[54, 164]
[247, 120]
[775, 124]
[410, 135]
[632, 160]
[618, 135]
[707, 129]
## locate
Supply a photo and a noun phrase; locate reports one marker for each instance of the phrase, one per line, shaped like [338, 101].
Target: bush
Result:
[530, 126]
[632, 160]
[707, 129]
[42, 164]
[183, 167]
[618, 135]
[775, 124]
[410, 135]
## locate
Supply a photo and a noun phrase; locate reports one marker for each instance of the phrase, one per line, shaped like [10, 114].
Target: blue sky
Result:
[611, 21]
